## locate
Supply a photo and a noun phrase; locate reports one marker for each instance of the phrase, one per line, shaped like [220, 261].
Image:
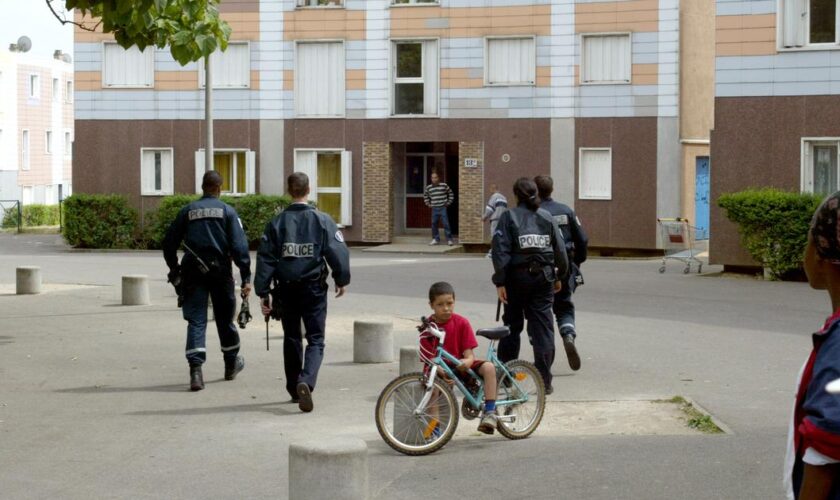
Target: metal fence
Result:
[11, 214]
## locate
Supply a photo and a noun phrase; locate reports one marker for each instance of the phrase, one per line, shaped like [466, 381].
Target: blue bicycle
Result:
[417, 413]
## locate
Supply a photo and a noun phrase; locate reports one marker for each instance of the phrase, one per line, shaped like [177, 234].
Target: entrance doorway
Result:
[701, 198]
[421, 159]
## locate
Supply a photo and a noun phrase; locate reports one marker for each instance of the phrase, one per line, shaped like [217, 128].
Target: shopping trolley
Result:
[678, 243]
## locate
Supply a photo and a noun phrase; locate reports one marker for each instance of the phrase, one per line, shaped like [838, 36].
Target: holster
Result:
[276, 304]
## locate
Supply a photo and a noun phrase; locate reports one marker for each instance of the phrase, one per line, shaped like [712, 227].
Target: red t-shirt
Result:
[459, 335]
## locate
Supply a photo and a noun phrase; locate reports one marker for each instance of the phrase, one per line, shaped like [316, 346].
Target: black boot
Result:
[196, 378]
[571, 351]
[234, 366]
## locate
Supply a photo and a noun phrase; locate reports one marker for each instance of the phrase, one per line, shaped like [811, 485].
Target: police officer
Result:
[212, 235]
[530, 263]
[576, 243]
[295, 250]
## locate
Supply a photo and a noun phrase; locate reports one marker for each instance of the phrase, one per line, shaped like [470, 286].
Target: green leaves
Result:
[192, 29]
[773, 225]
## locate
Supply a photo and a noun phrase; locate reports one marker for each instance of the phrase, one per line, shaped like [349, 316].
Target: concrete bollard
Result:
[135, 290]
[409, 360]
[28, 280]
[328, 469]
[373, 342]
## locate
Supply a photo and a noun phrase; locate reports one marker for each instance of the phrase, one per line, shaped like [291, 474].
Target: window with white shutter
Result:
[595, 174]
[157, 172]
[130, 68]
[319, 79]
[24, 150]
[605, 58]
[510, 61]
[237, 168]
[320, 3]
[231, 68]
[330, 175]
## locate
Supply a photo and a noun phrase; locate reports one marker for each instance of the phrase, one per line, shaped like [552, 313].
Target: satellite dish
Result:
[66, 58]
[24, 44]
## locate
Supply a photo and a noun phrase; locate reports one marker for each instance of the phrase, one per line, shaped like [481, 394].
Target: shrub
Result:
[33, 215]
[254, 211]
[99, 221]
[773, 225]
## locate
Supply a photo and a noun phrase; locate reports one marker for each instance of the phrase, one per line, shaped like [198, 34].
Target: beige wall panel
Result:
[176, 80]
[88, 80]
[747, 35]
[543, 76]
[255, 79]
[245, 25]
[356, 79]
[697, 75]
[314, 24]
[288, 79]
[645, 74]
[634, 16]
[457, 78]
[467, 22]
[239, 6]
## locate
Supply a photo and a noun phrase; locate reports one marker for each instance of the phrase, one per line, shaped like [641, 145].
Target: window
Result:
[231, 68]
[24, 150]
[56, 90]
[26, 195]
[808, 23]
[330, 181]
[68, 143]
[413, 2]
[156, 172]
[51, 194]
[415, 78]
[48, 137]
[510, 61]
[820, 165]
[34, 86]
[595, 174]
[319, 79]
[130, 68]
[68, 92]
[237, 168]
[605, 59]
[320, 3]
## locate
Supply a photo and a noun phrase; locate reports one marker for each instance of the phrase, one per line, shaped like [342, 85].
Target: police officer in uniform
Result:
[291, 279]
[530, 263]
[212, 234]
[576, 244]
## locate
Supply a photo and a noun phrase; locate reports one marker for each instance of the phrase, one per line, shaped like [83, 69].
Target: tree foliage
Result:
[192, 29]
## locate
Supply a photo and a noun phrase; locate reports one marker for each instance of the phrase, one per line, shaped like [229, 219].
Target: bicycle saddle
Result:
[496, 333]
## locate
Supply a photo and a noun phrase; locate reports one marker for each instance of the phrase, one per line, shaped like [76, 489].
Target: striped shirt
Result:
[438, 195]
[496, 205]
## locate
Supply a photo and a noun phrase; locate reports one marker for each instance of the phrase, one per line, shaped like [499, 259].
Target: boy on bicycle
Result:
[460, 341]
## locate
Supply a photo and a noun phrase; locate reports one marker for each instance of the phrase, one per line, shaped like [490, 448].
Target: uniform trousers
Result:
[529, 298]
[197, 288]
[564, 308]
[303, 302]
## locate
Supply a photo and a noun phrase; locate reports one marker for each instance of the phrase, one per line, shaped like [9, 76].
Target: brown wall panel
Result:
[757, 143]
[105, 168]
[616, 222]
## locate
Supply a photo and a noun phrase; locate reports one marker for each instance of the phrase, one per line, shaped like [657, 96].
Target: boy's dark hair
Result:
[545, 186]
[440, 288]
[211, 181]
[297, 184]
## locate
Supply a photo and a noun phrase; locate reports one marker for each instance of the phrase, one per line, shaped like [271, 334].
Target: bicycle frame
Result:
[440, 362]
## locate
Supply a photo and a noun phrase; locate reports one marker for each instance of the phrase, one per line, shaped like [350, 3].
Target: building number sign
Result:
[470, 162]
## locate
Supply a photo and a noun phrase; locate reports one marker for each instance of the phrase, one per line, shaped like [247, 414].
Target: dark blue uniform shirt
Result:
[573, 234]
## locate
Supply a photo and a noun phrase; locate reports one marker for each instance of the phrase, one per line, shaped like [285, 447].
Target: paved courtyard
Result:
[94, 400]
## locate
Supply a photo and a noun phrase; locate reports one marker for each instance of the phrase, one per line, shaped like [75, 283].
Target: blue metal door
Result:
[701, 198]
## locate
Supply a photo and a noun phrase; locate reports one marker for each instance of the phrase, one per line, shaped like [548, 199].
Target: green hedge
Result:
[33, 215]
[255, 210]
[99, 221]
[773, 225]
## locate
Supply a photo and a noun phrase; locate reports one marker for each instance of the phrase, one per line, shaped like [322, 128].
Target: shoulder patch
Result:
[339, 237]
[561, 220]
[499, 232]
[240, 222]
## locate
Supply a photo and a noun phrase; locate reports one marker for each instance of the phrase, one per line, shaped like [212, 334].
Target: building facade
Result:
[36, 128]
[777, 74]
[370, 96]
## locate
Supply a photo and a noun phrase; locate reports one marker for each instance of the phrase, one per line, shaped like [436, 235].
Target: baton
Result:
[267, 318]
[498, 309]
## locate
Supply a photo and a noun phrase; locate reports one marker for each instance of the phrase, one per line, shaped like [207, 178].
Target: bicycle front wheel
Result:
[524, 417]
[406, 428]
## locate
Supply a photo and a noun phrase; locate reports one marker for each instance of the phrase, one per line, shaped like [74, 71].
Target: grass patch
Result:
[695, 419]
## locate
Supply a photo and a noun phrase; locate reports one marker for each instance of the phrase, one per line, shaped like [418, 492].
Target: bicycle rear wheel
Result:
[409, 431]
[527, 415]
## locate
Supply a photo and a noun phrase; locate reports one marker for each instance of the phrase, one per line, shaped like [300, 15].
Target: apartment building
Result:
[777, 74]
[36, 128]
[369, 96]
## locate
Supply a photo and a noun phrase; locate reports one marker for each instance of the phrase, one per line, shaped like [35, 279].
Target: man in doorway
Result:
[438, 196]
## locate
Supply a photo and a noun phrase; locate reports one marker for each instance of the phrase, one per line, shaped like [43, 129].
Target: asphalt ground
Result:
[94, 400]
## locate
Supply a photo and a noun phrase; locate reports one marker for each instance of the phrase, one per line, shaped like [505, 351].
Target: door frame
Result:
[426, 175]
